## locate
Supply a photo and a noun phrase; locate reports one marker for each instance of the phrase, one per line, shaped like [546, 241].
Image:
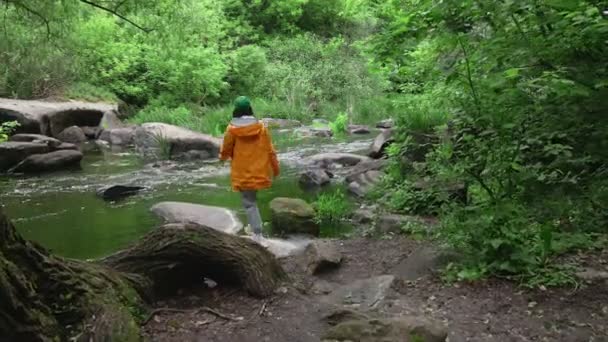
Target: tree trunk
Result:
[48, 298]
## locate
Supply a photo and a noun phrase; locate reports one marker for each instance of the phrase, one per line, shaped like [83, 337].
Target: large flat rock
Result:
[51, 118]
[217, 218]
[181, 140]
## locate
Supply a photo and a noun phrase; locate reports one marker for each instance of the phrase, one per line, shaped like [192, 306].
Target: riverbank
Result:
[490, 311]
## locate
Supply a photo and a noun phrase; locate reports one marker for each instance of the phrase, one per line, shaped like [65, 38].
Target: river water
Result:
[62, 212]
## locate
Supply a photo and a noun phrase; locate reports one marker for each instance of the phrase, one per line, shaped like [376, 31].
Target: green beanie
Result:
[242, 103]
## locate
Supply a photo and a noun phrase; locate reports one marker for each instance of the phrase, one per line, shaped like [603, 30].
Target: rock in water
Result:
[365, 294]
[331, 159]
[115, 192]
[118, 136]
[37, 138]
[321, 256]
[293, 216]
[319, 132]
[382, 141]
[281, 123]
[398, 329]
[358, 129]
[386, 124]
[152, 135]
[90, 132]
[110, 121]
[72, 134]
[53, 161]
[217, 218]
[314, 178]
[13, 152]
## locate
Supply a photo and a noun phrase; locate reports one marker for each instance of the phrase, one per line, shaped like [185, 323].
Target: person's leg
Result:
[251, 209]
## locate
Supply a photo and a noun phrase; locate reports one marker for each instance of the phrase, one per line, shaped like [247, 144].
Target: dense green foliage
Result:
[503, 97]
[6, 128]
[300, 56]
[513, 93]
[332, 207]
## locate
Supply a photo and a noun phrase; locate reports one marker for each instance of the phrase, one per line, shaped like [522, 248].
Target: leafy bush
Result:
[524, 128]
[6, 128]
[340, 125]
[331, 207]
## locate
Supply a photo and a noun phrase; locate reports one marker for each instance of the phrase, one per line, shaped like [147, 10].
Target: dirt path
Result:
[490, 311]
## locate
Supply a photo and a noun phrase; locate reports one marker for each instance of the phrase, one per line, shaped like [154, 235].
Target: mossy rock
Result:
[293, 216]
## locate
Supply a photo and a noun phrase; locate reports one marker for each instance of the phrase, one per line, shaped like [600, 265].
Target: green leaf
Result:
[563, 4]
[496, 243]
[512, 73]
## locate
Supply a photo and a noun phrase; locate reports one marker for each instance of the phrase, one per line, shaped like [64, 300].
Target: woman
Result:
[247, 142]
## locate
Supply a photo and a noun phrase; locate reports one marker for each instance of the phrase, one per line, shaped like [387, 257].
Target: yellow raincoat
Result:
[254, 160]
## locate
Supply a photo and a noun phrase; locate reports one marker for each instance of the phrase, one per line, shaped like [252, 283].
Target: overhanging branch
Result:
[113, 12]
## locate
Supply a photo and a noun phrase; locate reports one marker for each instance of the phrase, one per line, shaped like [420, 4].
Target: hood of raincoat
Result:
[245, 126]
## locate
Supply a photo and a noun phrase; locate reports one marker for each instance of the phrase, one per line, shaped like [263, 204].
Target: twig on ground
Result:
[203, 309]
[263, 308]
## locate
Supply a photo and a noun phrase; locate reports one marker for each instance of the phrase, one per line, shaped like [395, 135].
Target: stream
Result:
[62, 212]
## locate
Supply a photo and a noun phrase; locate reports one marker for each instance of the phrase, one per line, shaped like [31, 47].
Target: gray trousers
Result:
[254, 219]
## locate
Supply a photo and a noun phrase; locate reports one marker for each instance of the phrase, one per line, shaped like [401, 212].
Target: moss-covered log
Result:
[48, 298]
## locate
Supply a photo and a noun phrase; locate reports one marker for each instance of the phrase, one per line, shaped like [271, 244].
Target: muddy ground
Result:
[495, 310]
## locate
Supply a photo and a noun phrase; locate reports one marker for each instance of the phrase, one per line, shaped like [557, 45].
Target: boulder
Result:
[51, 118]
[110, 121]
[52, 143]
[293, 216]
[152, 135]
[361, 184]
[13, 152]
[364, 294]
[281, 123]
[217, 218]
[397, 329]
[66, 146]
[193, 155]
[382, 141]
[115, 192]
[358, 129]
[319, 132]
[321, 256]
[313, 178]
[423, 262]
[90, 132]
[118, 136]
[52, 161]
[72, 134]
[37, 138]
[332, 159]
[386, 124]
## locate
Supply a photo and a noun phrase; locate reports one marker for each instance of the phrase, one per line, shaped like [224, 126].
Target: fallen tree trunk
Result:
[48, 298]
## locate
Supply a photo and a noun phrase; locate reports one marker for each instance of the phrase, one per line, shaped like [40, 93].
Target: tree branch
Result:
[35, 13]
[113, 12]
